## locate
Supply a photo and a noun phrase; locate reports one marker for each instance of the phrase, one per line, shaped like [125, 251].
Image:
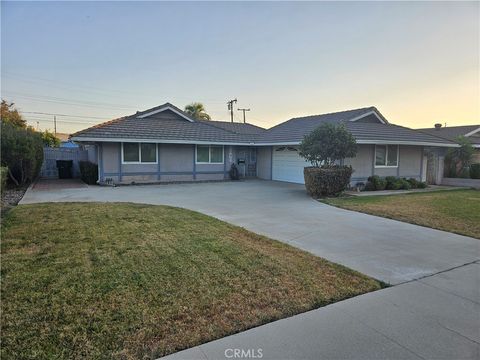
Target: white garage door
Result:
[288, 165]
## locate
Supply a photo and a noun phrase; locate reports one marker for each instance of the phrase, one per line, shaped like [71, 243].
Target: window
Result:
[130, 152]
[148, 153]
[209, 154]
[139, 153]
[386, 155]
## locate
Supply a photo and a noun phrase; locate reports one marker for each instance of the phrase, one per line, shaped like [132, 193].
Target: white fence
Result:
[51, 155]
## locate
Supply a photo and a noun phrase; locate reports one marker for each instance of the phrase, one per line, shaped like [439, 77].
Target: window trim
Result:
[209, 155]
[386, 156]
[140, 155]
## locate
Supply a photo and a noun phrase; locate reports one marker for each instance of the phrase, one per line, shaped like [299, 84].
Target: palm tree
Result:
[197, 111]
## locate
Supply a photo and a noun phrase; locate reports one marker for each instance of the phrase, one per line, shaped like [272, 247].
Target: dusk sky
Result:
[418, 63]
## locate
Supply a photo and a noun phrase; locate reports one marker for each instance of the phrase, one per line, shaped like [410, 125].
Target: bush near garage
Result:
[88, 172]
[325, 147]
[321, 182]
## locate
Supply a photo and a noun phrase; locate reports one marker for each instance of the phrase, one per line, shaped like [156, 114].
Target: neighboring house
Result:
[165, 144]
[471, 132]
[65, 140]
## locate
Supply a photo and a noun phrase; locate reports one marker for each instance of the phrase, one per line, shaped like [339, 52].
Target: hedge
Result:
[88, 172]
[376, 183]
[22, 152]
[3, 178]
[475, 171]
[327, 181]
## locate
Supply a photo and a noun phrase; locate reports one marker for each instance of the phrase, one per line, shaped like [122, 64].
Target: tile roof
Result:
[451, 132]
[170, 124]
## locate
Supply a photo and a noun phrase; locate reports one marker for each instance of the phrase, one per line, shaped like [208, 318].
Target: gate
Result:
[51, 155]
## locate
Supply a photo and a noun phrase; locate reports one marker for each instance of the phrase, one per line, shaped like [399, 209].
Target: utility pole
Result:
[230, 108]
[55, 125]
[244, 121]
[38, 124]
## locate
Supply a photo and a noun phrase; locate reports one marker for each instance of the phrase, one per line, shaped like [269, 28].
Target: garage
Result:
[287, 165]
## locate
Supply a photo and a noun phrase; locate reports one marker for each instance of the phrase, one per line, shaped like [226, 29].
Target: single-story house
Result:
[471, 132]
[164, 144]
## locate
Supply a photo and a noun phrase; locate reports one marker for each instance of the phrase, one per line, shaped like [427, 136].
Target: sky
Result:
[417, 62]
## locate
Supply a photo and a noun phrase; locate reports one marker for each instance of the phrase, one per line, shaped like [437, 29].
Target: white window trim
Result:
[209, 155]
[386, 156]
[140, 155]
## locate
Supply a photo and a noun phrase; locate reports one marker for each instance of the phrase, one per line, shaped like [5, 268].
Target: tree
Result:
[197, 111]
[11, 115]
[327, 144]
[50, 140]
[22, 152]
[458, 159]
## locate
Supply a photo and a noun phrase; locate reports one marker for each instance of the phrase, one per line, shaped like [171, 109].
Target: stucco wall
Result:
[410, 163]
[362, 163]
[264, 162]
[176, 163]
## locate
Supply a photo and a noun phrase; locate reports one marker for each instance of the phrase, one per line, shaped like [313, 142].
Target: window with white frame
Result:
[139, 153]
[209, 154]
[386, 155]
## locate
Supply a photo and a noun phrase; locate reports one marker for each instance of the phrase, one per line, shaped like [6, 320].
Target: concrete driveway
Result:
[387, 250]
[432, 312]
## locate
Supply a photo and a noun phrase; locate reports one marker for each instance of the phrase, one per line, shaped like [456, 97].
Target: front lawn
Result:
[131, 281]
[456, 211]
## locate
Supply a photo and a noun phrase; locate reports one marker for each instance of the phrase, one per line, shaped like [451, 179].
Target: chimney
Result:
[438, 126]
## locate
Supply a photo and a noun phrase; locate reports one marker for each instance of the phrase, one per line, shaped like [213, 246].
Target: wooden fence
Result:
[51, 155]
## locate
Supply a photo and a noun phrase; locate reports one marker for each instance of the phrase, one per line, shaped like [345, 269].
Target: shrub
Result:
[378, 182]
[3, 178]
[390, 181]
[88, 172]
[327, 180]
[327, 144]
[22, 152]
[458, 159]
[475, 171]
[422, 185]
[369, 186]
[403, 184]
[413, 183]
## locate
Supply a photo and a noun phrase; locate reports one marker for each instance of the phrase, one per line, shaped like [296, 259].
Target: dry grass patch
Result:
[139, 281]
[455, 211]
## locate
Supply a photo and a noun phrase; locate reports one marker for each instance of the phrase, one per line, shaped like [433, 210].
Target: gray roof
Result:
[452, 132]
[170, 124]
[239, 128]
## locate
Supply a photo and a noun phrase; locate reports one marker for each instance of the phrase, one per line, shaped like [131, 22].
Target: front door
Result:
[247, 162]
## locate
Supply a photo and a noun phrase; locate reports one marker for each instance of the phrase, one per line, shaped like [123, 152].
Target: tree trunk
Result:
[12, 177]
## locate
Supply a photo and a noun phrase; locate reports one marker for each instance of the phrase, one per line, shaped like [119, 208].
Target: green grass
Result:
[138, 281]
[456, 211]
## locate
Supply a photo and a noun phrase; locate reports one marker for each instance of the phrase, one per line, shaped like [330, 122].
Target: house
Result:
[65, 141]
[471, 132]
[164, 144]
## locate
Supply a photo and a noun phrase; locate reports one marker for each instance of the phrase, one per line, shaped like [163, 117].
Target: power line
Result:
[79, 116]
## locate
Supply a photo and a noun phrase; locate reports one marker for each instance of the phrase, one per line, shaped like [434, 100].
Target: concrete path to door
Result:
[432, 312]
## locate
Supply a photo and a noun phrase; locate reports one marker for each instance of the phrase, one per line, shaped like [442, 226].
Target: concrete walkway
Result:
[432, 312]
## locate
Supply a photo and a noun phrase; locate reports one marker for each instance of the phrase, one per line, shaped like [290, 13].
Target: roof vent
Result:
[438, 126]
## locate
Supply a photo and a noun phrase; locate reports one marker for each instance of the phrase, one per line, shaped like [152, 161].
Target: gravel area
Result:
[11, 197]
